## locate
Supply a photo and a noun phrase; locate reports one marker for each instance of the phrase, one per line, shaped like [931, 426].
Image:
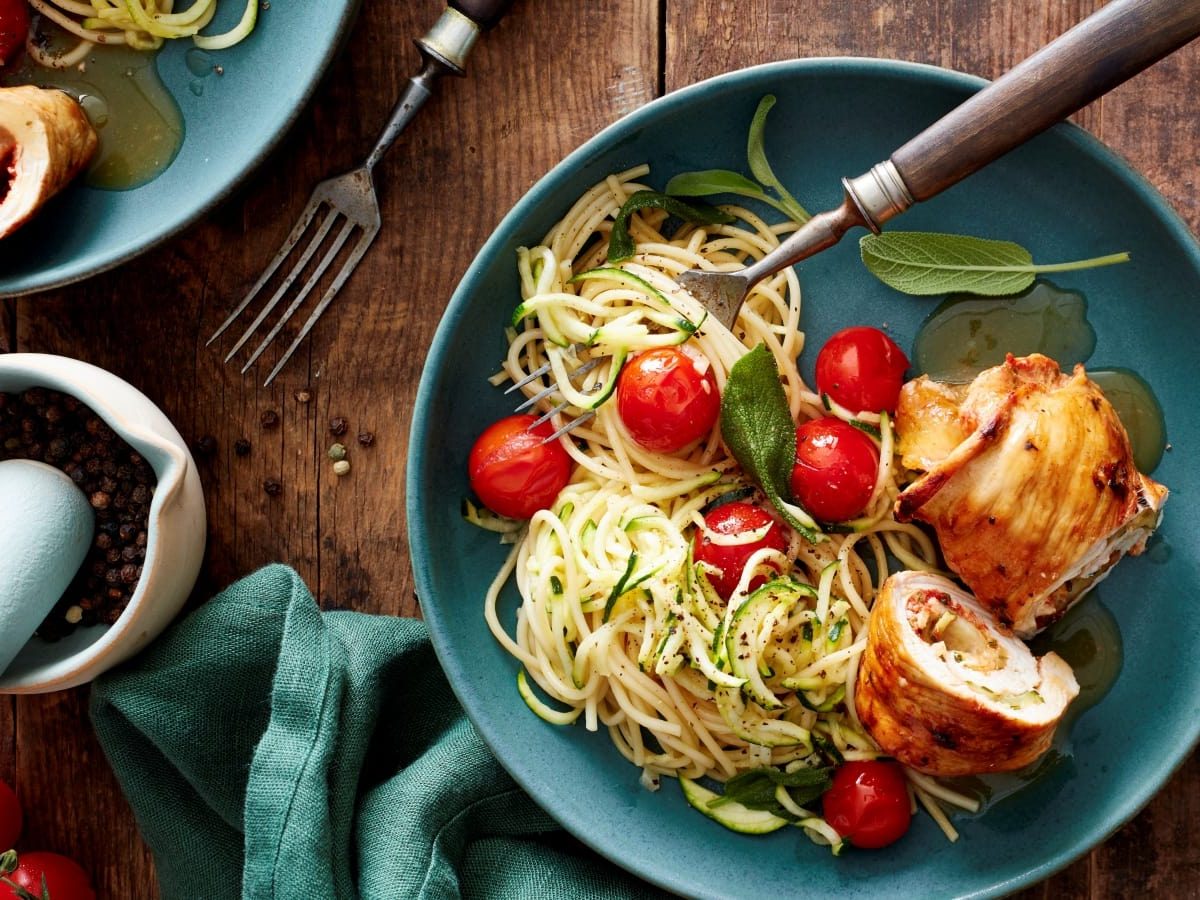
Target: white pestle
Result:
[46, 528]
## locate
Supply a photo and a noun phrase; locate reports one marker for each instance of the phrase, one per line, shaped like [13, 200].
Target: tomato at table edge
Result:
[890, 798]
[881, 366]
[14, 26]
[544, 469]
[654, 419]
[725, 583]
[834, 480]
[65, 878]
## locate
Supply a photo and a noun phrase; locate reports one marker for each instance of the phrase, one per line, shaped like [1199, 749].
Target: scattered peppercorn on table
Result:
[310, 471]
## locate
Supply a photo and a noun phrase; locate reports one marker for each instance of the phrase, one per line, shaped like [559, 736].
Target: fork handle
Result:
[1107, 48]
[484, 13]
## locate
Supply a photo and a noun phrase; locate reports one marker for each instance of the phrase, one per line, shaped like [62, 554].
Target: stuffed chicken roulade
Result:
[946, 691]
[1028, 478]
[45, 141]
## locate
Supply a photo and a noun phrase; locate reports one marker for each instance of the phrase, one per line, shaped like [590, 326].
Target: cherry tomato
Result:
[868, 803]
[736, 518]
[836, 465]
[14, 25]
[513, 472]
[65, 879]
[862, 369]
[11, 818]
[667, 398]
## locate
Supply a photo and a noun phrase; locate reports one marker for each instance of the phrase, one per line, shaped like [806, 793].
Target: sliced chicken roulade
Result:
[947, 692]
[45, 141]
[1029, 481]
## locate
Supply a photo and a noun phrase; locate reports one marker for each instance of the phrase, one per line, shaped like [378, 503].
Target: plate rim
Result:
[74, 272]
[1162, 770]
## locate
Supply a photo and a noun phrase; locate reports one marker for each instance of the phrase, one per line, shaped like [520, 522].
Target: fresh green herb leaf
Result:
[923, 263]
[755, 789]
[722, 181]
[555, 584]
[758, 427]
[807, 631]
[835, 633]
[620, 244]
[756, 154]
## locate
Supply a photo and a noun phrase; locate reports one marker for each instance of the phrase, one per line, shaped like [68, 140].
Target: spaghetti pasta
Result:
[617, 624]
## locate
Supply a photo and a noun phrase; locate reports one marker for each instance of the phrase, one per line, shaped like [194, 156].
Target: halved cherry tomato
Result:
[667, 398]
[836, 465]
[65, 878]
[513, 472]
[868, 803]
[14, 25]
[736, 518]
[862, 369]
[11, 818]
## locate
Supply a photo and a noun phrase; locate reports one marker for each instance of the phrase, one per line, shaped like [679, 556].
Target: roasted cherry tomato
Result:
[868, 803]
[65, 879]
[736, 518]
[513, 472]
[667, 398]
[836, 465]
[14, 25]
[862, 369]
[10, 818]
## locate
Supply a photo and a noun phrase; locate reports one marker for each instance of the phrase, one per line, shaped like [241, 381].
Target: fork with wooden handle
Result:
[1102, 51]
[348, 203]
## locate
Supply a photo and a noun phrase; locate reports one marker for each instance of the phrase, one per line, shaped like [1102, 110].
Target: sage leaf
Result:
[720, 181]
[755, 789]
[922, 263]
[620, 244]
[758, 428]
[756, 155]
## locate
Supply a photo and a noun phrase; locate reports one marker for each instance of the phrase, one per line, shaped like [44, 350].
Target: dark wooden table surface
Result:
[550, 76]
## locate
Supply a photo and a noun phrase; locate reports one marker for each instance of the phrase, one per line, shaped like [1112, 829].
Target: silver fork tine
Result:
[571, 426]
[328, 258]
[546, 392]
[313, 245]
[532, 376]
[363, 243]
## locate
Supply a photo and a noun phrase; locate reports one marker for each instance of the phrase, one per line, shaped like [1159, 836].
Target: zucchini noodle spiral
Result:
[617, 625]
[141, 24]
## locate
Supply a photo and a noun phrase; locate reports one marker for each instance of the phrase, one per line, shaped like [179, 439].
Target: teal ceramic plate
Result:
[1065, 196]
[231, 123]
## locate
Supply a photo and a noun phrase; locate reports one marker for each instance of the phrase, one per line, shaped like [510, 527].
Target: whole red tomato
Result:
[667, 398]
[836, 465]
[862, 369]
[65, 879]
[868, 803]
[14, 25]
[513, 472]
[11, 818]
[731, 559]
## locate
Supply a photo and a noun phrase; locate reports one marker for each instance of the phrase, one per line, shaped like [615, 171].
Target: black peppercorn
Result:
[338, 425]
[206, 446]
[269, 418]
[241, 447]
[366, 438]
[273, 487]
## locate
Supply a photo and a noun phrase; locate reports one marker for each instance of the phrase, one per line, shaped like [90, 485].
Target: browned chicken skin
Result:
[947, 692]
[1029, 481]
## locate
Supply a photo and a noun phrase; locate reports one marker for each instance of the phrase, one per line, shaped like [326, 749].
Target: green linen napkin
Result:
[322, 754]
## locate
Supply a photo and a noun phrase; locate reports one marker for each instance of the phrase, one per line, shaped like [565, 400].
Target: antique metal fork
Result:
[347, 203]
[1102, 51]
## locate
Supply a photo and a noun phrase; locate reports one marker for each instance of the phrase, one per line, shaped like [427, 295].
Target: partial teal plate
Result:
[1065, 196]
[230, 127]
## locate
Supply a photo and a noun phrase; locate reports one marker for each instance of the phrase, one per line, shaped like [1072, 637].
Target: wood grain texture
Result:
[547, 78]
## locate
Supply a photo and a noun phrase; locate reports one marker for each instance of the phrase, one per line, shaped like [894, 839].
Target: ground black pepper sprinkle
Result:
[57, 429]
[338, 425]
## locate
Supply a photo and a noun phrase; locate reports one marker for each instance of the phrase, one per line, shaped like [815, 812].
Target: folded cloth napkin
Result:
[322, 754]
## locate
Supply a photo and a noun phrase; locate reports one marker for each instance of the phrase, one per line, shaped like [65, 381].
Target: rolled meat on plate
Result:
[45, 141]
[947, 692]
[1030, 483]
